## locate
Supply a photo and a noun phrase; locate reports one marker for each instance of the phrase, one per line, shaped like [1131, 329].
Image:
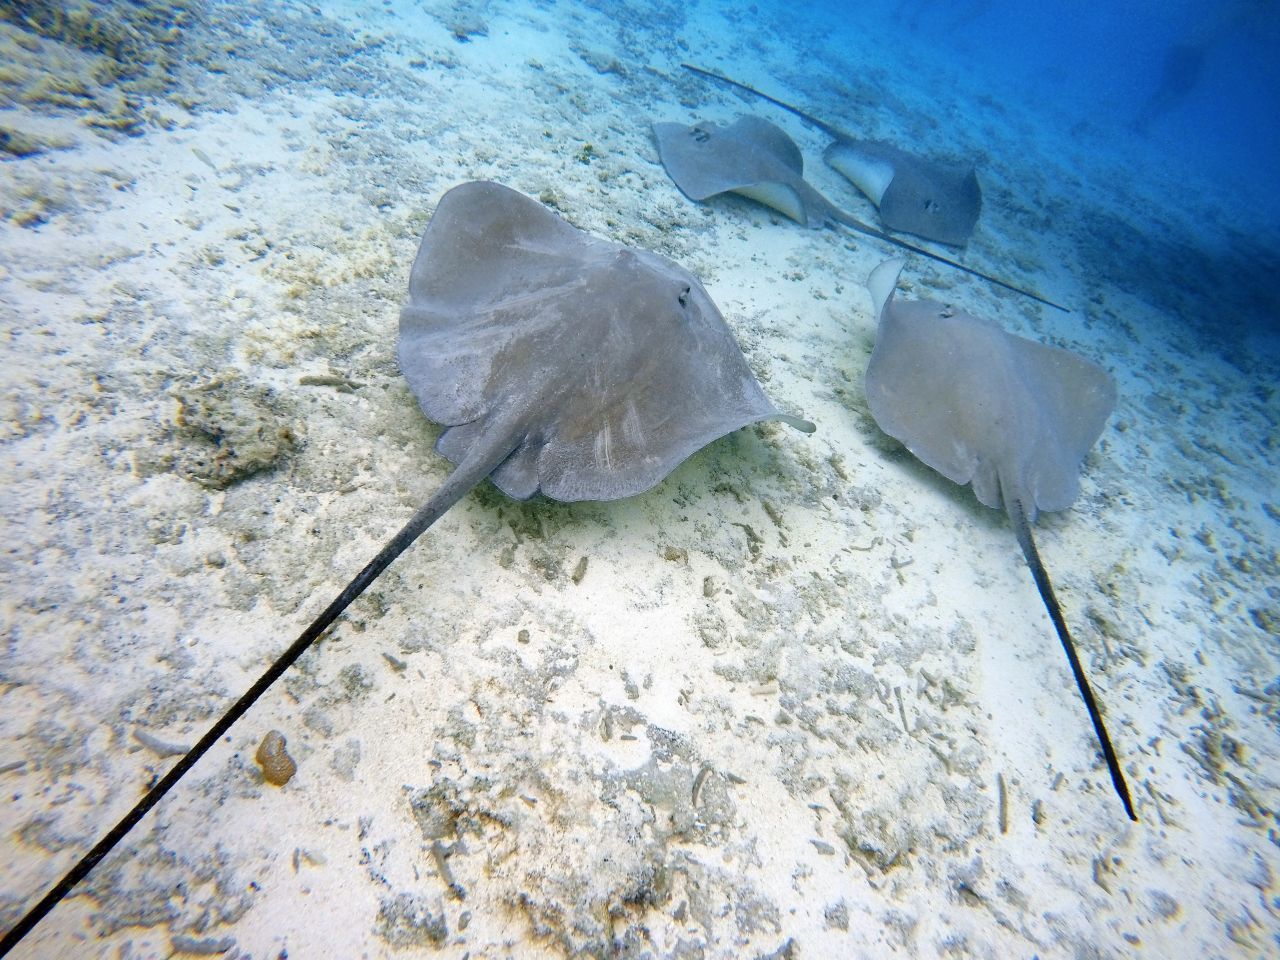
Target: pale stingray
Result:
[1013, 417]
[757, 159]
[558, 362]
[935, 199]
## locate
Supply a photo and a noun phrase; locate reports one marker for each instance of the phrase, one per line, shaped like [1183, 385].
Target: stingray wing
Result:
[938, 201]
[931, 384]
[491, 260]
[672, 380]
[769, 143]
[1074, 398]
[863, 164]
[695, 159]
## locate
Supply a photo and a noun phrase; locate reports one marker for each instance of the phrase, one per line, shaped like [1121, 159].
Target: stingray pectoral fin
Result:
[883, 281]
[780, 196]
[1022, 528]
[870, 174]
[480, 462]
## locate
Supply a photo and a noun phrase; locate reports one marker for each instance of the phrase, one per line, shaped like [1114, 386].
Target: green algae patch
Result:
[126, 33]
[408, 920]
[17, 143]
[227, 429]
[100, 60]
[121, 68]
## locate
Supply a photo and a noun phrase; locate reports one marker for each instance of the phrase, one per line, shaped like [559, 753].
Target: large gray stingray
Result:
[1013, 417]
[756, 159]
[935, 199]
[558, 362]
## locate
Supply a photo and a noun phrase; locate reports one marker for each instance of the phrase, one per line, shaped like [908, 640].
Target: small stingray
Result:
[934, 199]
[558, 362]
[751, 157]
[1011, 416]
[754, 158]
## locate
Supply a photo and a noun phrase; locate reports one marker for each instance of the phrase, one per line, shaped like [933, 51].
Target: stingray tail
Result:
[1023, 529]
[474, 468]
[858, 225]
[855, 224]
[806, 117]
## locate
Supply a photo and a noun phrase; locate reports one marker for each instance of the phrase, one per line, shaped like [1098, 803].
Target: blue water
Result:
[1098, 62]
[1201, 238]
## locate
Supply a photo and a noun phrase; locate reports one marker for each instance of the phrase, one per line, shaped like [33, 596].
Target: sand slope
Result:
[800, 700]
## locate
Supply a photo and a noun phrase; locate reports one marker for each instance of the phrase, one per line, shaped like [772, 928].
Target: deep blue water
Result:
[1203, 242]
[1099, 62]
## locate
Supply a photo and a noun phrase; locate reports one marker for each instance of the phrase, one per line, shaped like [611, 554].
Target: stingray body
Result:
[563, 363]
[558, 362]
[1010, 416]
[754, 158]
[751, 157]
[934, 199]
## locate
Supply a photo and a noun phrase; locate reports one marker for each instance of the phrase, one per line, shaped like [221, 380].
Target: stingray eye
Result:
[700, 135]
[684, 297]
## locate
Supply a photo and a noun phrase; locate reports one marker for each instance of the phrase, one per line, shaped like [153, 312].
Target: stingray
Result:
[756, 159]
[1012, 417]
[935, 199]
[558, 363]
[751, 157]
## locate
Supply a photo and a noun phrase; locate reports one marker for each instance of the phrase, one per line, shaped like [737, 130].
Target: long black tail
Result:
[806, 117]
[1023, 529]
[855, 224]
[466, 476]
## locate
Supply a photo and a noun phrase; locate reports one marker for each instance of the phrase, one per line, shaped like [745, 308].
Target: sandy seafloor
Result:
[765, 709]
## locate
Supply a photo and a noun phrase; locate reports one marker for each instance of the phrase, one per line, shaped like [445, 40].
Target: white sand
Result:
[757, 629]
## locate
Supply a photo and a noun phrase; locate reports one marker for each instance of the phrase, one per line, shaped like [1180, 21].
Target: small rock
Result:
[277, 766]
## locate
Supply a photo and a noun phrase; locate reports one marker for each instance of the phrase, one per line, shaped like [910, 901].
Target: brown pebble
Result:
[277, 766]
